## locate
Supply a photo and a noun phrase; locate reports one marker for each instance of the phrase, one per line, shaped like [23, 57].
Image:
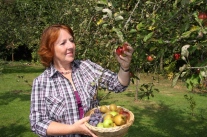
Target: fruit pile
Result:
[106, 117]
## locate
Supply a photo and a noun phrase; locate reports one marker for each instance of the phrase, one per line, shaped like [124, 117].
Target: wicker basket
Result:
[118, 131]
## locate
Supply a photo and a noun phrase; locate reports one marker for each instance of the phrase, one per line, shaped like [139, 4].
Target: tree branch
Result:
[125, 26]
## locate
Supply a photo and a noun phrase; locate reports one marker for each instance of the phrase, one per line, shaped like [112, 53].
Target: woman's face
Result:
[64, 48]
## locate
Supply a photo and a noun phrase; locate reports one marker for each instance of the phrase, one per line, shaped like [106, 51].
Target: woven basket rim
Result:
[112, 129]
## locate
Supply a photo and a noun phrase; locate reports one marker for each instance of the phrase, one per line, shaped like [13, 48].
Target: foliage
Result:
[146, 90]
[191, 102]
[194, 76]
[158, 28]
[21, 78]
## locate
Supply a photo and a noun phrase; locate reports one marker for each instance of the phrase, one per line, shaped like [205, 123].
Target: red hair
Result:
[48, 38]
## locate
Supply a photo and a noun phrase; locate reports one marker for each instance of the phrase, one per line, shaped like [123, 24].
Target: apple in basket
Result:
[108, 123]
[120, 120]
[108, 116]
[125, 113]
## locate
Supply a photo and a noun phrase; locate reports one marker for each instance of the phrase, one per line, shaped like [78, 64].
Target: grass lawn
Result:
[168, 114]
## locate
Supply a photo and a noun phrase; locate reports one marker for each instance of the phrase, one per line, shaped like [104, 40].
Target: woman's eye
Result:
[63, 43]
[71, 40]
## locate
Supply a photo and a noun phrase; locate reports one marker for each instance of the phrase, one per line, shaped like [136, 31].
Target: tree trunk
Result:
[12, 51]
[137, 89]
[161, 63]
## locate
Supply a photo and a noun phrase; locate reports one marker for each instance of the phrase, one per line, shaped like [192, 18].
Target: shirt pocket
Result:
[56, 107]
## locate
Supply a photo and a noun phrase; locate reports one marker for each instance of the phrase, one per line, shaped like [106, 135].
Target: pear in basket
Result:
[113, 107]
[104, 109]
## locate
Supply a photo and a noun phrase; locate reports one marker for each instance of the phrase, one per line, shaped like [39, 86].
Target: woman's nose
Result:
[69, 44]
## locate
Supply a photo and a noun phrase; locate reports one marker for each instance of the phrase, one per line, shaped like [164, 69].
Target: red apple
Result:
[150, 58]
[126, 114]
[119, 51]
[177, 56]
[120, 110]
[124, 46]
[131, 74]
[202, 15]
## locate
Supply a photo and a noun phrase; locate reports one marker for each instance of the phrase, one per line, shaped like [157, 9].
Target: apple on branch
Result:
[120, 49]
[150, 58]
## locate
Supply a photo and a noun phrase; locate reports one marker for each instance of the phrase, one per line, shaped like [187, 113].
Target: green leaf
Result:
[103, 2]
[132, 80]
[189, 85]
[108, 11]
[156, 89]
[148, 36]
[98, 8]
[133, 31]
[140, 26]
[182, 74]
[153, 48]
[203, 73]
[119, 34]
[193, 81]
[186, 34]
[174, 82]
[175, 4]
[117, 18]
[184, 2]
[141, 89]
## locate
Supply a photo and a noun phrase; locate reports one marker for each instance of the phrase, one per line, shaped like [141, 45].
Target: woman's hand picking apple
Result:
[125, 59]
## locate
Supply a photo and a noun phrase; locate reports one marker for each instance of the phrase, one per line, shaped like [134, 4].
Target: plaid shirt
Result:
[53, 99]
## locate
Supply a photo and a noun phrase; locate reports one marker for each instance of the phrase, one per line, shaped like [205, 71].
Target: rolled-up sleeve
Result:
[38, 119]
[107, 78]
[110, 80]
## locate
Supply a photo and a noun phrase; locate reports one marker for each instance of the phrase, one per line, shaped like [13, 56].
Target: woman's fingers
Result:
[87, 131]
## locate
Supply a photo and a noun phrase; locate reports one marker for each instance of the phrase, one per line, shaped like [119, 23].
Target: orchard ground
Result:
[167, 114]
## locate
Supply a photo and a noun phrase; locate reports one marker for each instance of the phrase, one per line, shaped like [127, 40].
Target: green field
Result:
[167, 114]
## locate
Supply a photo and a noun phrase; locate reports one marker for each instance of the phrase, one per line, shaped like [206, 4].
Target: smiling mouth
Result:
[69, 53]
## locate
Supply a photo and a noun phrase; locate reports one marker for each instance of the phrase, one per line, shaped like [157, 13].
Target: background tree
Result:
[157, 28]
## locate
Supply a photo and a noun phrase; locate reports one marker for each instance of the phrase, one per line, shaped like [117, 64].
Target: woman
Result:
[65, 90]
